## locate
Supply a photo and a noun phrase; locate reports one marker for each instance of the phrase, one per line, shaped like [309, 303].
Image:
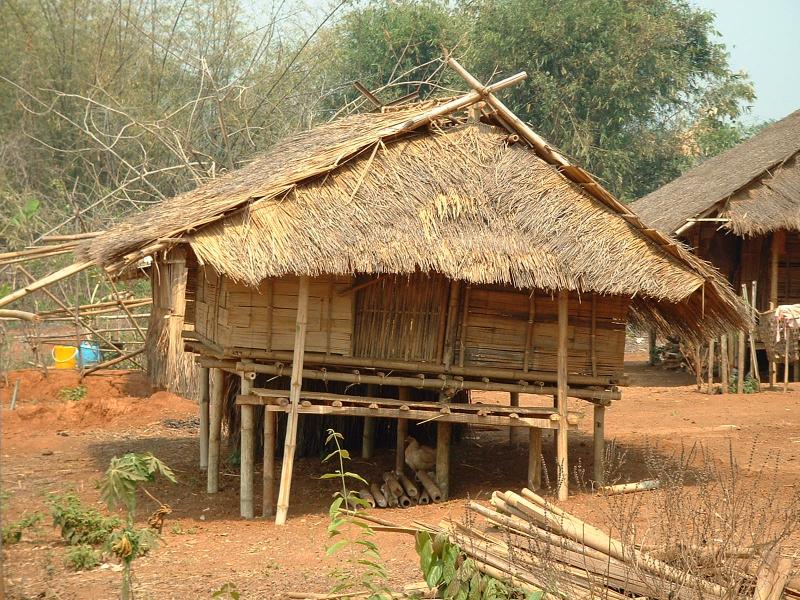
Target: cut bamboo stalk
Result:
[443, 436]
[562, 472]
[294, 396]
[599, 444]
[365, 495]
[19, 314]
[534, 458]
[404, 395]
[430, 486]
[424, 498]
[630, 488]
[773, 575]
[392, 500]
[268, 484]
[45, 281]
[246, 453]
[203, 407]
[408, 486]
[376, 492]
[404, 501]
[570, 526]
[215, 385]
[391, 481]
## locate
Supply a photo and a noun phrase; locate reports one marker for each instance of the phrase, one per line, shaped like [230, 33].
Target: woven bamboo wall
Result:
[497, 329]
[234, 315]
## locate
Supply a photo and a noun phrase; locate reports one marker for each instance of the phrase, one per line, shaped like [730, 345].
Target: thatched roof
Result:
[372, 194]
[755, 184]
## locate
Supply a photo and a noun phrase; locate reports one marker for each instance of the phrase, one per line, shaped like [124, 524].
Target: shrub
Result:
[82, 557]
[12, 532]
[72, 394]
[80, 524]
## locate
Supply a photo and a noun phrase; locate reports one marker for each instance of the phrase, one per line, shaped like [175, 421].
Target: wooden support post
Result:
[215, 385]
[723, 362]
[593, 336]
[534, 457]
[562, 471]
[786, 358]
[452, 320]
[740, 352]
[651, 347]
[404, 395]
[698, 366]
[203, 405]
[462, 346]
[515, 434]
[268, 484]
[774, 256]
[246, 452]
[368, 437]
[294, 396]
[710, 366]
[599, 444]
[443, 457]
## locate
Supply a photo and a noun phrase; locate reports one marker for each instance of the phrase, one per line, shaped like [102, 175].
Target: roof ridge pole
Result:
[294, 397]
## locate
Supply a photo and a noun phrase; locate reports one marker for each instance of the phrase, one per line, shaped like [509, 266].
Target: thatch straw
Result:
[368, 195]
[717, 179]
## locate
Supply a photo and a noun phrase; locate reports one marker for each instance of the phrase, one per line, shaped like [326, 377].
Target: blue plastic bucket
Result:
[90, 353]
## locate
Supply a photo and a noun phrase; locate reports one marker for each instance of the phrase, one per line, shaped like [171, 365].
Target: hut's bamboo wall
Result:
[405, 318]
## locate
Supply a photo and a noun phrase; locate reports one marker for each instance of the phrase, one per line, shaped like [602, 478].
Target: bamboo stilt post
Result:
[599, 444]
[740, 352]
[368, 437]
[651, 347]
[515, 434]
[215, 386]
[294, 396]
[268, 491]
[561, 433]
[246, 452]
[404, 395]
[534, 457]
[710, 366]
[698, 366]
[723, 362]
[786, 358]
[443, 432]
[203, 406]
[774, 256]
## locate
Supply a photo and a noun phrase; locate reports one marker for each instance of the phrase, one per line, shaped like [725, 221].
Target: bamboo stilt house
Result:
[741, 212]
[438, 247]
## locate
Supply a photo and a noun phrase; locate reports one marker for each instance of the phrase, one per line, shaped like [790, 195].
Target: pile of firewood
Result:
[540, 547]
[399, 490]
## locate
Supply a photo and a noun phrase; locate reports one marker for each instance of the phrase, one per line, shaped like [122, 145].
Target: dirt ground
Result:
[54, 445]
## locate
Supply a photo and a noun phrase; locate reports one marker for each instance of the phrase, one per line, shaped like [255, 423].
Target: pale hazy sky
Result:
[763, 38]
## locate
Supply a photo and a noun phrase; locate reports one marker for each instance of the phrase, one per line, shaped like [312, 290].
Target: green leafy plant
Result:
[366, 571]
[750, 385]
[123, 478]
[80, 524]
[229, 590]
[12, 532]
[72, 394]
[82, 557]
[455, 576]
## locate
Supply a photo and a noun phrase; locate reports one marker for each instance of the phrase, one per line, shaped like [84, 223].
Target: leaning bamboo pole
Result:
[294, 396]
[45, 281]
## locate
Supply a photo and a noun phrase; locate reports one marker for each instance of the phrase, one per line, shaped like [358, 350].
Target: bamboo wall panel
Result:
[234, 315]
[789, 270]
[400, 317]
[497, 321]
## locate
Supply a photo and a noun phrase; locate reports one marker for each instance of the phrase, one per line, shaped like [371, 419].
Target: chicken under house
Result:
[385, 266]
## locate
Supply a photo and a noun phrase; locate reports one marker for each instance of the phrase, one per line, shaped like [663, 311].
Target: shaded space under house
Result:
[741, 212]
[385, 265]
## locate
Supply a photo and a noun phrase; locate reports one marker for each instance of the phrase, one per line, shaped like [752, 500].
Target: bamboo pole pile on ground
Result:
[536, 546]
[398, 490]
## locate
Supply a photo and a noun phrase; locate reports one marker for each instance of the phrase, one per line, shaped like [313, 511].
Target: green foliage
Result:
[72, 394]
[80, 524]
[455, 576]
[366, 572]
[750, 384]
[229, 590]
[12, 532]
[125, 474]
[82, 557]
